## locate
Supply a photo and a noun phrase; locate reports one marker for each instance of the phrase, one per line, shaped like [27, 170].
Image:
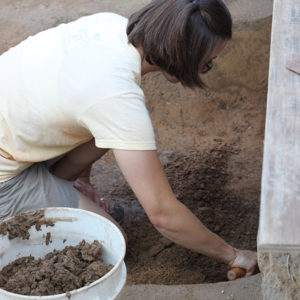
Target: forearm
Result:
[144, 173]
[181, 226]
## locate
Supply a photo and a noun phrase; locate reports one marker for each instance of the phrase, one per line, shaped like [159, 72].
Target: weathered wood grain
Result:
[280, 196]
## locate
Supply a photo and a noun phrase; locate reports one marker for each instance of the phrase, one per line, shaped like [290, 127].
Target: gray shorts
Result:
[35, 188]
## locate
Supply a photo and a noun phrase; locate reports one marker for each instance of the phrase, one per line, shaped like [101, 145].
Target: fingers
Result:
[247, 260]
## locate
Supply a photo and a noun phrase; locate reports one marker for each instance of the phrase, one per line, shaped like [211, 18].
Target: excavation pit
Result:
[210, 142]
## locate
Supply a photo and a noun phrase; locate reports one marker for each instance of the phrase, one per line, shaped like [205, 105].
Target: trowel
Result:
[235, 273]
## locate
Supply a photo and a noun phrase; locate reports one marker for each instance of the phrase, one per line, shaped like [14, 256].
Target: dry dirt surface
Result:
[210, 142]
[199, 181]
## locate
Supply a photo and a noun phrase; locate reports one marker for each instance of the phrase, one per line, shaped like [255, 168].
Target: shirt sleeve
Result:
[120, 122]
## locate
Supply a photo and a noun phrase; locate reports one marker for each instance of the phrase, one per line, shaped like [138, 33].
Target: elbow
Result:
[161, 222]
[164, 216]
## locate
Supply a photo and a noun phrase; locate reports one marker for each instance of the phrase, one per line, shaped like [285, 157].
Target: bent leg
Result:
[76, 166]
[87, 204]
[35, 188]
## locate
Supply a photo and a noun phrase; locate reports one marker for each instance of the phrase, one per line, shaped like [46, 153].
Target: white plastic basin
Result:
[71, 227]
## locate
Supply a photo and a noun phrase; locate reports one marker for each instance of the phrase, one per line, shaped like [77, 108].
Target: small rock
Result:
[205, 210]
[166, 242]
[217, 228]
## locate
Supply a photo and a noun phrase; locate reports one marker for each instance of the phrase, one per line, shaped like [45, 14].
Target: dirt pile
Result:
[199, 181]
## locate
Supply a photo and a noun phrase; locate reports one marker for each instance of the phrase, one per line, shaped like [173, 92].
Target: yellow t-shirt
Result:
[66, 85]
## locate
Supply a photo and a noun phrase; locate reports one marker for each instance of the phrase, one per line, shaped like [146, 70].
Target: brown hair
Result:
[179, 36]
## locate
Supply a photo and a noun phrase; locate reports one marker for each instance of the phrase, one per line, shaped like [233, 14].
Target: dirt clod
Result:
[19, 225]
[48, 237]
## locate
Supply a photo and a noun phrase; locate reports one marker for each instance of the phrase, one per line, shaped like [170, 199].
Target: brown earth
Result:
[210, 142]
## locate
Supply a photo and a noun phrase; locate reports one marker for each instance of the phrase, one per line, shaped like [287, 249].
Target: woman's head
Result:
[180, 36]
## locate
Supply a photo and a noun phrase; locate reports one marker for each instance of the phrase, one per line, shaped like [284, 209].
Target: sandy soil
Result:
[210, 142]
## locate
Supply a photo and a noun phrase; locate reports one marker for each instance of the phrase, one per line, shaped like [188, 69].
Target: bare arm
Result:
[144, 173]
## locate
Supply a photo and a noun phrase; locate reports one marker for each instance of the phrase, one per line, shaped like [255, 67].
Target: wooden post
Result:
[279, 228]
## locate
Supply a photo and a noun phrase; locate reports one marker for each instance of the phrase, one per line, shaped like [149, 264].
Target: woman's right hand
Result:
[246, 260]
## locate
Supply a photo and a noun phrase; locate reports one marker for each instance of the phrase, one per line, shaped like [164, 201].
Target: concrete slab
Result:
[241, 289]
[245, 10]
[19, 19]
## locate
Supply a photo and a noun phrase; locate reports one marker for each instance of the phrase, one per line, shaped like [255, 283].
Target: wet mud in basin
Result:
[59, 271]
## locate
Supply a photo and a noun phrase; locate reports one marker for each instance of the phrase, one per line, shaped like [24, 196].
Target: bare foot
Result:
[87, 189]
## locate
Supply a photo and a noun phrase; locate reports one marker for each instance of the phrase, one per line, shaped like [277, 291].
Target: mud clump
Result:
[19, 225]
